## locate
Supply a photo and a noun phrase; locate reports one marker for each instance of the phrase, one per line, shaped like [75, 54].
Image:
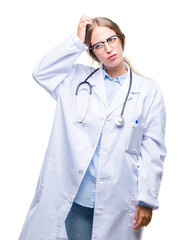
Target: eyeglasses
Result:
[100, 45]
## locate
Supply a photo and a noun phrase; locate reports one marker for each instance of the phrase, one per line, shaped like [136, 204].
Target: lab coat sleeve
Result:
[153, 152]
[58, 63]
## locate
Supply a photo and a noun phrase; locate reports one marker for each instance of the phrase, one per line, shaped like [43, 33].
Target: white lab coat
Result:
[131, 158]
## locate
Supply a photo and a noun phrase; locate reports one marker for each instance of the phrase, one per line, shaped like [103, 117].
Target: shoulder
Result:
[78, 73]
[144, 84]
[148, 89]
[81, 71]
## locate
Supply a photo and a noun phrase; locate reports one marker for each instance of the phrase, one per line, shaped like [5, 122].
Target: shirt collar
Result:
[120, 79]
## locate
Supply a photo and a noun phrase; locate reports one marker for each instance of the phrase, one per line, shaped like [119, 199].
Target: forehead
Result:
[101, 33]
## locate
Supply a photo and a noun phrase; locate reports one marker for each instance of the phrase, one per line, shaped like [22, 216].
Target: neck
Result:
[116, 71]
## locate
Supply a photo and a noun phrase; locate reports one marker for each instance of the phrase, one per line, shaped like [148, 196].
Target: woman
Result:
[103, 165]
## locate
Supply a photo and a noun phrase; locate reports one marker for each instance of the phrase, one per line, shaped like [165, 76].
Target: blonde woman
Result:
[103, 165]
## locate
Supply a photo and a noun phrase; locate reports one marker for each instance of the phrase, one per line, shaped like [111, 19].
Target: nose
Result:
[107, 47]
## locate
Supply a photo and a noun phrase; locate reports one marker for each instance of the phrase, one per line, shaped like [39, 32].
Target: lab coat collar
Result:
[122, 92]
[97, 81]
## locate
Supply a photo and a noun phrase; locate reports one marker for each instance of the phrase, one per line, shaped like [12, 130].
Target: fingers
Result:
[136, 218]
[143, 217]
[84, 21]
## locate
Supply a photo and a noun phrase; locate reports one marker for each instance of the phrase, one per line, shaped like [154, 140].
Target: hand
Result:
[84, 21]
[142, 217]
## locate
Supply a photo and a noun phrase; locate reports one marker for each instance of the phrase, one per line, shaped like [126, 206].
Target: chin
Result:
[113, 64]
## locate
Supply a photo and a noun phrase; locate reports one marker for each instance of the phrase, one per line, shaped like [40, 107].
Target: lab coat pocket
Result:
[46, 169]
[134, 138]
[133, 205]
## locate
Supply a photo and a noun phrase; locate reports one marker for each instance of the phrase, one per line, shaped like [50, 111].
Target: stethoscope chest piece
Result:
[119, 121]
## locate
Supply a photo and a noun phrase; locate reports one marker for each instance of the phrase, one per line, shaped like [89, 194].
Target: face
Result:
[111, 54]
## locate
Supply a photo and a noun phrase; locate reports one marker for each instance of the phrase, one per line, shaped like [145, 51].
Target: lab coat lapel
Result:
[122, 93]
[97, 82]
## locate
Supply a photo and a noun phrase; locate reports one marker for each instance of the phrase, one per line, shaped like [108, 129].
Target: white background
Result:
[155, 45]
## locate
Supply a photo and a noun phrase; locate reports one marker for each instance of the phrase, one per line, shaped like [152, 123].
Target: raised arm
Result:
[59, 62]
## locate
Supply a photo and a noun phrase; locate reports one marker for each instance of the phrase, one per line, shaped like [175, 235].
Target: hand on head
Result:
[84, 21]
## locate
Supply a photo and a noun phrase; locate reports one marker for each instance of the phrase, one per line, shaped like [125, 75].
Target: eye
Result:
[112, 39]
[98, 46]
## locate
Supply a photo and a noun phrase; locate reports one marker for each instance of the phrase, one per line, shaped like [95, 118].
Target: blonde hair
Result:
[105, 22]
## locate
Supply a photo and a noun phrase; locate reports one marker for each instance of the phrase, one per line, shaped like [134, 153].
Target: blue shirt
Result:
[86, 193]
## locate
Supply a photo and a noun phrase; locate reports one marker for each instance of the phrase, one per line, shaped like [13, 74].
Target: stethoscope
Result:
[119, 121]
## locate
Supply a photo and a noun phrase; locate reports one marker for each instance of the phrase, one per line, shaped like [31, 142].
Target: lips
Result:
[112, 57]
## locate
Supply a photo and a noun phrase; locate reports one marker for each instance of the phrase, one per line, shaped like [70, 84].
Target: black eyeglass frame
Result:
[92, 47]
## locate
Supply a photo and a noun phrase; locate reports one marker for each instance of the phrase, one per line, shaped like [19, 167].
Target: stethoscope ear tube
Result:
[85, 82]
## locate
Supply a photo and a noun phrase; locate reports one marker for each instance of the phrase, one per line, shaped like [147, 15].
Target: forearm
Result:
[58, 63]
[153, 153]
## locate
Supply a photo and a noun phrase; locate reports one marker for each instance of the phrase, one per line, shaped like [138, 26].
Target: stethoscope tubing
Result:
[119, 120]
[85, 82]
[128, 92]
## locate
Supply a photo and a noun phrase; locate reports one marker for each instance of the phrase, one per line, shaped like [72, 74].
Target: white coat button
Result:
[80, 172]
